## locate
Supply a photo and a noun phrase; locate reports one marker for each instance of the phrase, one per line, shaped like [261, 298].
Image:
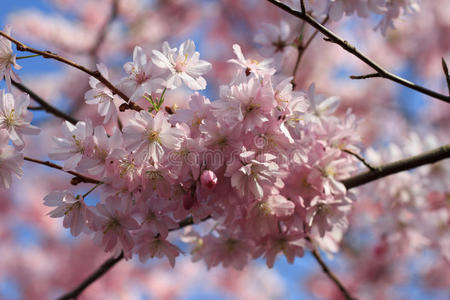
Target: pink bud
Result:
[208, 179]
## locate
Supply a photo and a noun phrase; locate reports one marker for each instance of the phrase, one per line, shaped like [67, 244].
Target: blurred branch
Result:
[328, 271]
[78, 177]
[93, 277]
[332, 37]
[302, 48]
[47, 54]
[447, 76]
[44, 104]
[109, 264]
[361, 159]
[398, 166]
[371, 75]
[104, 30]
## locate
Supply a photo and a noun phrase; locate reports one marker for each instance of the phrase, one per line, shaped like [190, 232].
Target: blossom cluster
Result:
[261, 163]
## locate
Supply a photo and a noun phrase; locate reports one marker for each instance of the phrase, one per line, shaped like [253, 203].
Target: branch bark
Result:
[78, 177]
[93, 277]
[44, 104]
[398, 166]
[332, 37]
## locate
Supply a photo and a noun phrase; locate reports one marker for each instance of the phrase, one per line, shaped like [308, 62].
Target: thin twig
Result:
[45, 105]
[371, 75]
[429, 157]
[302, 48]
[104, 30]
[47, 54]
[360, 158]
[332, 37]
[78, 177]
[447, 76]
[108, 264]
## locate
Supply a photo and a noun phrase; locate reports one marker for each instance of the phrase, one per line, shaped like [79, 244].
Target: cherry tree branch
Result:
[44, 104]
[331, 275]
[47, 54]
[78, 177]
[398, 166]
[332, 37]
[108, 264]
[104, 30]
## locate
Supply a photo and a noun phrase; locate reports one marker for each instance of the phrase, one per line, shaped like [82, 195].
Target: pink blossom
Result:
[251, 66]
[15, 118]
[184, 66]
[208, 179]
[143, 76]
[151, 136]
[101, 95]
[73, 145]
[10, 161]
[70, 207]
[149, 246]
[7, 59]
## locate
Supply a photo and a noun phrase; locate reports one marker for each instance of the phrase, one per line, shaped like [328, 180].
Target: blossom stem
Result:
[78, 177]
[92, 189]
[27, 56]
[334, 38]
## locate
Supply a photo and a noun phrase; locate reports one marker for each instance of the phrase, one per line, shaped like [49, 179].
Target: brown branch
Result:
[361, 159]
[104, 30]
[332, 37]
[398, 166]
[302, 48]
[44, 104]
[371, 75]
[108, 264]
[331, 275]
[78, 177]
[47, 54]
[447, 76]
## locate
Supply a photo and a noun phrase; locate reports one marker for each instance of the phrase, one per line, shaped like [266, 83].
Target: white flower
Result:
[7, 59]
[73, 145]
[251, 66]
[273, 38]
[143, 76]
[101, 95]
[10, 161]
[184, 66]
[15, 118]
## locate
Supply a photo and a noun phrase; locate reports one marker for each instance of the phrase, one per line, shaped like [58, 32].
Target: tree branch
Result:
[332, 37]
[447, 76]
[108, 264]
[398, 166]
[47, 54]
[104, 30]
[44, 104]
[78, 177]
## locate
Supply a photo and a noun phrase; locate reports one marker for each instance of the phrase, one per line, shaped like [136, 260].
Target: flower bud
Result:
[208, 179]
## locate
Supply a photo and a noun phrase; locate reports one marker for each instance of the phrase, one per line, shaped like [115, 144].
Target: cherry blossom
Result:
[184, 66]
[10, 161]
[7, 59]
